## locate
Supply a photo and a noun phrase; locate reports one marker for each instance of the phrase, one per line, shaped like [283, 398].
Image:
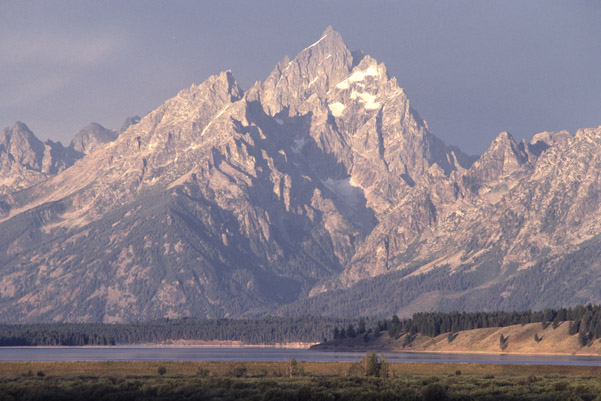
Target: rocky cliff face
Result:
[26, 161]
[318, 190]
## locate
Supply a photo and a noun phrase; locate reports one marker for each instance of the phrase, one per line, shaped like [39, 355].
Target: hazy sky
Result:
[470, 68]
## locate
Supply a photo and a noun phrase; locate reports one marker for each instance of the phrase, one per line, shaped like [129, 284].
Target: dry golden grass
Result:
[520, 341]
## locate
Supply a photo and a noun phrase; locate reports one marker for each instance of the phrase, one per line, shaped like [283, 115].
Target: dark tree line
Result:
[584, 321]
[268, 330]
[54, 334]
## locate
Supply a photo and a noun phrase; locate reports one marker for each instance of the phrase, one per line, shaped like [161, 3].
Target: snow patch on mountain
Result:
[367, 98]
[214, 118]
[358, 76]
[316, 43]
[336, 108]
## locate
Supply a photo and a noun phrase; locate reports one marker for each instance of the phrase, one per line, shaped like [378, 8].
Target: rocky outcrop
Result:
[91, 137]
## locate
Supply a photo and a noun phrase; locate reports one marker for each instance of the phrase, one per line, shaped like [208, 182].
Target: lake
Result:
[154, 353]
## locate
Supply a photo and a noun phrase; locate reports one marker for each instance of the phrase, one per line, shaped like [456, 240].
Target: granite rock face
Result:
[319, 190]
[26, 161]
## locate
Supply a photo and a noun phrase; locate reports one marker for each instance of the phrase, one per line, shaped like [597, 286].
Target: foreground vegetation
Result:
[291, 380]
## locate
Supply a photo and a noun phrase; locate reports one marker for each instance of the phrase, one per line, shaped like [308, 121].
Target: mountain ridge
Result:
[294, 196]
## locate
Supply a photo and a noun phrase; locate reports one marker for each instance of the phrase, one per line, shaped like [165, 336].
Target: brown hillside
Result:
[520, 340]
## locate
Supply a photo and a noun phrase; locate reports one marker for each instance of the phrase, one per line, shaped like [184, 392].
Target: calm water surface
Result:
[153, 353]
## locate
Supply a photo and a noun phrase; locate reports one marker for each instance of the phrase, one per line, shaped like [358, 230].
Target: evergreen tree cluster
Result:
[350, 331]
[269, 330]
[54, 334]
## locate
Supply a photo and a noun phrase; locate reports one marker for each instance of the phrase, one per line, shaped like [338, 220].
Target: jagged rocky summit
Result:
[319, 190]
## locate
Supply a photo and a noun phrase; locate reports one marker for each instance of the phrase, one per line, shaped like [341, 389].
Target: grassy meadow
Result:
[283, 381]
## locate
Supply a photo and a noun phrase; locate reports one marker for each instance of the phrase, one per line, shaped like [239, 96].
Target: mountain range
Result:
[317, 191]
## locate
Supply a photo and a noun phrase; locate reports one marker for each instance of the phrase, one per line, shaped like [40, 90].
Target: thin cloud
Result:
[36, 66]
[55, 49]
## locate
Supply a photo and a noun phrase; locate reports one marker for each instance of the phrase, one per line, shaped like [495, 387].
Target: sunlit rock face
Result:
[319, 190]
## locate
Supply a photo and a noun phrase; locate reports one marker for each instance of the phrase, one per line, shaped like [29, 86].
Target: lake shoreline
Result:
[274, 354]
[453, 352]
[175, 344]
[286, 346]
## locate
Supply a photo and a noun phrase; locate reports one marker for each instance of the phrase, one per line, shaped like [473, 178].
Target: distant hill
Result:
[520, 339]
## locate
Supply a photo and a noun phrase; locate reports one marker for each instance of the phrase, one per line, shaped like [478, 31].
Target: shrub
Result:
[568, 396]
[384, 367]
[408, 394]
[435, 392]
[372, 366]
[430, 380]
[354, 369]
[41, 373]
[162, 370]
[237, 370]
[292, 368]
[560, 386]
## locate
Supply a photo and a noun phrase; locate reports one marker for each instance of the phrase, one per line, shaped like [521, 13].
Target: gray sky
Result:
[470, 68]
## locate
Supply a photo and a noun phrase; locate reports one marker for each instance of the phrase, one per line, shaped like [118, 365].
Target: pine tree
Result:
[582, 338]
[361, 327]
[350, 331]
[503, 341]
